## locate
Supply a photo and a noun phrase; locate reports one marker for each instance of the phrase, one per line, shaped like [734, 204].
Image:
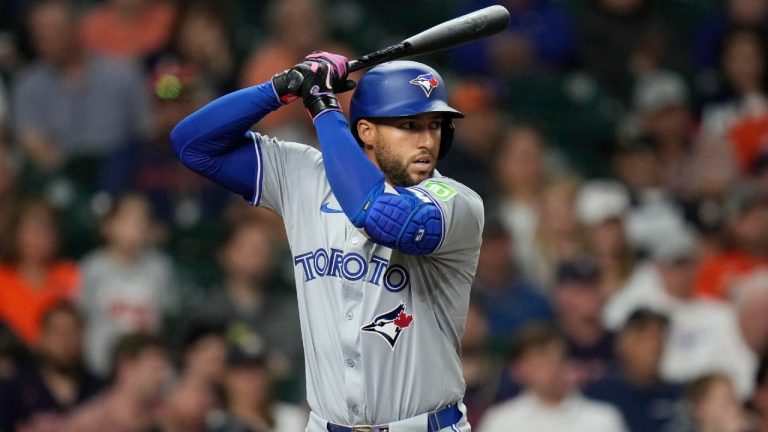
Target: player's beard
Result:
[395, 170]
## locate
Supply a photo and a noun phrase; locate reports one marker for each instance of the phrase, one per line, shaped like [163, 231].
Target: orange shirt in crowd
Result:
[748, 137]
[718, 274]
[22, 306]
[105, 31]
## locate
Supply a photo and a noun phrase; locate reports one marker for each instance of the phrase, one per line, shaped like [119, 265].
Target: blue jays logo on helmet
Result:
[390, 325]
[427, 82]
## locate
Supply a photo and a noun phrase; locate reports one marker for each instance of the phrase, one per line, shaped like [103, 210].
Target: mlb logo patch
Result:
[426, 82]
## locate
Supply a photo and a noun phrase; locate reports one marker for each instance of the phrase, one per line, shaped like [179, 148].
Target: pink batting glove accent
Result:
[338, 62]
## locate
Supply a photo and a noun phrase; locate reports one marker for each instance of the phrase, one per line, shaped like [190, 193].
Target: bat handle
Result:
[378, 57]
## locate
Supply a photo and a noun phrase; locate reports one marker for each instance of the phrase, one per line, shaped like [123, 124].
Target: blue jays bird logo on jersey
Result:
[427, 82]
[390, 325]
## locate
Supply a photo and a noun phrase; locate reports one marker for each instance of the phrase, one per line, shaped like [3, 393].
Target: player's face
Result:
[406, 148]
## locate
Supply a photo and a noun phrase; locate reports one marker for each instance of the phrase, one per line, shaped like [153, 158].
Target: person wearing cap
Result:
[745, 212]
[248, 392]
[548, 402]
[704, 335]
[634, 386]
[661, 102]
[578, 305]
[602, 207]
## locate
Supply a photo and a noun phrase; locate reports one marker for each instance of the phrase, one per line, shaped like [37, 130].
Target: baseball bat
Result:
[458, 31]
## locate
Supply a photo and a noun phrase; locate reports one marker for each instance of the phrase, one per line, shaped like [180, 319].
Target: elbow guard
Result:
[405, 223]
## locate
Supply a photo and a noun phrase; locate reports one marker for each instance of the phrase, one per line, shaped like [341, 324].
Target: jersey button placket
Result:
[353, 298]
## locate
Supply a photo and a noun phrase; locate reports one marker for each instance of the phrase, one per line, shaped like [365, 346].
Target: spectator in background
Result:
[712, 31]
[759, 400]
[704, 336]
[188, 408]
[65, 86]
[620, 40]
[248, 300]
[181, 199]
[540, 38]
[661, 103]
[131, 29]
[715, 406]
[738, 115]
[9, 193]
[751, 303]
[558, 234]
[521, 172]
[128, 285]
[635, 386]
[203, 355]
[745, 251]
[32, 278]
[469, 160]
[507, 301]
[601, 207]
[140, 372]
[548, 404]
[480, 367]
[202, 38]
[282, 49]
[578, 307]
[41, 393]
[249, 394]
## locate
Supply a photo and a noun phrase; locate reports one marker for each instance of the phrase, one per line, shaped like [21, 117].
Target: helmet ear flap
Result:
[446, 137]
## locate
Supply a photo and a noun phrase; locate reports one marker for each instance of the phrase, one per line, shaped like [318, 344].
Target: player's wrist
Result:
[287, 85]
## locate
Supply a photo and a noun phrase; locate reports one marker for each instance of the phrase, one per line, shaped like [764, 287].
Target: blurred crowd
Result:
[620, 147]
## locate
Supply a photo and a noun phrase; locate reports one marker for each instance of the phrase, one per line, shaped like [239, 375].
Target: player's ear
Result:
[366, 130]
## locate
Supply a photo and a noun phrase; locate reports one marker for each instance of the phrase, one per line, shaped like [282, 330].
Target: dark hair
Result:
[641, 317]
[131, 346]
[534, 335]
[20, 215]
[697, 389]
[65, 307]
[727, 91]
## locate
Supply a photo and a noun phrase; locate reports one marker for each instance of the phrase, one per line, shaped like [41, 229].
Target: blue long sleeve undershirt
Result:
[212, 141]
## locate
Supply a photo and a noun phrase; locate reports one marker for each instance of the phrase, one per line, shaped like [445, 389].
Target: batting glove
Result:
[289, 83]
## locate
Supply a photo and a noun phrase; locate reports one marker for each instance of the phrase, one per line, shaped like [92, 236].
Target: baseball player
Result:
[384, 248]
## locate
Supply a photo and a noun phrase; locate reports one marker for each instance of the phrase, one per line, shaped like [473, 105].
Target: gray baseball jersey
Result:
[381, 329]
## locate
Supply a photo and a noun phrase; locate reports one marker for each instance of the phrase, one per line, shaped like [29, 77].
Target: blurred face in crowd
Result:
[744, 62]
[306, 12]
[206, 359]
[52, 29]
[248, 254]
[404, 148]
[750, 228]
[672, 122]
[747, 11]
[36, 234]
[188, 407]
[541, 369]
[752, 304]
[61, 339]
[718, 408]
[128, 228]
[147, 375]
[579, 300]
[678, 276]
[607, 238]
[640, 347]
[249, 385]
[202, 35]
[493, 267]
[557, 209]
[520, 162]
[638, 168]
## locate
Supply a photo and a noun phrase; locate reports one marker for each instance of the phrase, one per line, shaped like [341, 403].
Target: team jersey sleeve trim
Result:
[259, 177]
[442, 215]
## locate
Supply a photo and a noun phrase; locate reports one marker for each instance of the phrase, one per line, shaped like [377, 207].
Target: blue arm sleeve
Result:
[213, 141]
[403, 222]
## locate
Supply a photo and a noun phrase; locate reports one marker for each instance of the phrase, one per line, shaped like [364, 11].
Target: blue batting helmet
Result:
[403, 88]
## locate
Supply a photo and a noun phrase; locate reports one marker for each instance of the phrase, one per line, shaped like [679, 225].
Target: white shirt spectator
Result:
[574, 414]
[704, 335]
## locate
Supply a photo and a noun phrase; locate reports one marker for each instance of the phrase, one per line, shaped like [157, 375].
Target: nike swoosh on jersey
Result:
[325, 209]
